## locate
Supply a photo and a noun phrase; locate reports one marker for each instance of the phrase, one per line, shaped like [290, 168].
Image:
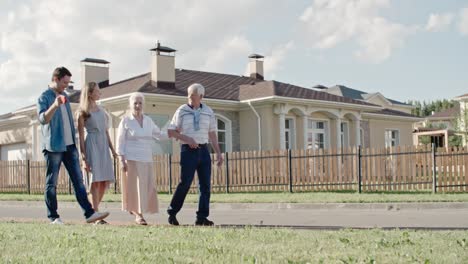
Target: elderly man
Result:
[59, 145]
[194, 124]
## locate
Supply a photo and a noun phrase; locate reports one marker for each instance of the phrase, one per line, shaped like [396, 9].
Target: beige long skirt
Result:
[139, 188]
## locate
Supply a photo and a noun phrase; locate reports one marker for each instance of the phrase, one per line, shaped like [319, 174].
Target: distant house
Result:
[396, 115]
[373, 98]
[253, 113]
[441, 125]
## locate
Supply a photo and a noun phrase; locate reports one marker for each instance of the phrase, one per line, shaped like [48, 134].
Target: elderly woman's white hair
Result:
[133, 98]
[196, 88]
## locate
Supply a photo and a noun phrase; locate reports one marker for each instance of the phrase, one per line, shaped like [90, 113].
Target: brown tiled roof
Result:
[448, 113]
[222, 86]
[387, 111]
[463, 95]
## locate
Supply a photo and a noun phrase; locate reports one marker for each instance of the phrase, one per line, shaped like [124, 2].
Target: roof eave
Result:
[407, 118]
[281, 99]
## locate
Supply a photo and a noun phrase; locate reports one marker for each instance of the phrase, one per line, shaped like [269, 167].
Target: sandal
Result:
[140, 221]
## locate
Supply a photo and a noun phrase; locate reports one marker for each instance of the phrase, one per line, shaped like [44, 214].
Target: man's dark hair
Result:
[61, 72]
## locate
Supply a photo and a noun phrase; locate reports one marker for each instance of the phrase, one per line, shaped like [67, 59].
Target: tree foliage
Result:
[423, 108]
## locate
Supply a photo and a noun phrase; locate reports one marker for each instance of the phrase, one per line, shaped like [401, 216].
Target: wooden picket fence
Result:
[399, 169]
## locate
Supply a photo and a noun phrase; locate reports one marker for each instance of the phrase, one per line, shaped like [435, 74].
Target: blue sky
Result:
[404, 49]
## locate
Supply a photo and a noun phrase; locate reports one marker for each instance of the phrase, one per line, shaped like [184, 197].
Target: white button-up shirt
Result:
[135, 142]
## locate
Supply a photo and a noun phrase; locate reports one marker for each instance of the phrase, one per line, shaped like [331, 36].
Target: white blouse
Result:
[135, 142]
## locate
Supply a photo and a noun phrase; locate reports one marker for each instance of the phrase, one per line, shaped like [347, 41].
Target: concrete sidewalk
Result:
[294, 215]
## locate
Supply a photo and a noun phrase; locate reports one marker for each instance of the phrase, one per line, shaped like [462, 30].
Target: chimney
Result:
[163, 66]
[256, 66]
[95, 70]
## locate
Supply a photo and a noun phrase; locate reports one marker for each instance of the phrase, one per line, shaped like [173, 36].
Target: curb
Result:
[279, 206]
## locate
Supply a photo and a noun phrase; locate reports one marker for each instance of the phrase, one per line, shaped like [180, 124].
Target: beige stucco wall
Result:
[377, 129]
[248, 130]
[269, 128]
[17, 133]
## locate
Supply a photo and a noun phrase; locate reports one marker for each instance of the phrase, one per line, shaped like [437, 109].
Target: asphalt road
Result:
[437, 216]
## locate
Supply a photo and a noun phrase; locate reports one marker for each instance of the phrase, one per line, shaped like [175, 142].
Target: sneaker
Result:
[173, 220]
[101, 222]
[203, 222]
[57, 221]
[97, 216]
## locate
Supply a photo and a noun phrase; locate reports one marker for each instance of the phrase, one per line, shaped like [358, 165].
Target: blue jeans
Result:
[72, 164]
[192, 160]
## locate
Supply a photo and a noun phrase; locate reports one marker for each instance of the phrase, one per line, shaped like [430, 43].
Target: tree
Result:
[423, 109]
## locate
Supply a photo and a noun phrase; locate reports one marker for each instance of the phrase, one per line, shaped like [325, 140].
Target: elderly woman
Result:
[135, 135]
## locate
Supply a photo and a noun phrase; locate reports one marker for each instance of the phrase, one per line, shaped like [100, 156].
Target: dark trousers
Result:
[72, 164]
[192, 160]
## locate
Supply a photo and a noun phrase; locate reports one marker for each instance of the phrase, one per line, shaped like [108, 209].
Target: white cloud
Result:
[463, 24]
[439, 22]
[328, 23]
[230, 49]
[37, 36]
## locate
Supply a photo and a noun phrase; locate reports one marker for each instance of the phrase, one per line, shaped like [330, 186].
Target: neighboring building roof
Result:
[462, 96]
[356, 94]
[222, 86]
[392, 112]
[447, 113]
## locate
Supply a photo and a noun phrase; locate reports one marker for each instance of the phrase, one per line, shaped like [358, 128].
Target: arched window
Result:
[224, 133]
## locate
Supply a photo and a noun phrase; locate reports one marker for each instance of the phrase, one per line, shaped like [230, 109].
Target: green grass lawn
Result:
[281, 197]
[40, 242]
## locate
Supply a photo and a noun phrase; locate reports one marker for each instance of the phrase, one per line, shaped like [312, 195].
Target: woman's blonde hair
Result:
[88, 89]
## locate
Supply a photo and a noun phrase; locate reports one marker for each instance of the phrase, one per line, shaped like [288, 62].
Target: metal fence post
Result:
[359, 169]
[434, 169]
[226, 160]
[28, 175]
[170, 173]
[290, 171]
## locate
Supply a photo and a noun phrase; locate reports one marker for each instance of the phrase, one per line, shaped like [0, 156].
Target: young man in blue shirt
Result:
[59, 145]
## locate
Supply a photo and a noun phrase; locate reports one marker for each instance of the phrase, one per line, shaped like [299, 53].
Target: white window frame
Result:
[344, 135]
[291, 131]
[325, 131]
[388, 141]
[227, 130]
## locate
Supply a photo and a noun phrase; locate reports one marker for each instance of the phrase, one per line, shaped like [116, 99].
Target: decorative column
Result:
[305, 123]
[358, 132]
[282, 130]
[34, 141]
[338, 134]
[280, 110]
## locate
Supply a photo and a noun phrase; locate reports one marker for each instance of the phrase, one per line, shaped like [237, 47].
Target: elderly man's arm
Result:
[174, 133]
[214, 142]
